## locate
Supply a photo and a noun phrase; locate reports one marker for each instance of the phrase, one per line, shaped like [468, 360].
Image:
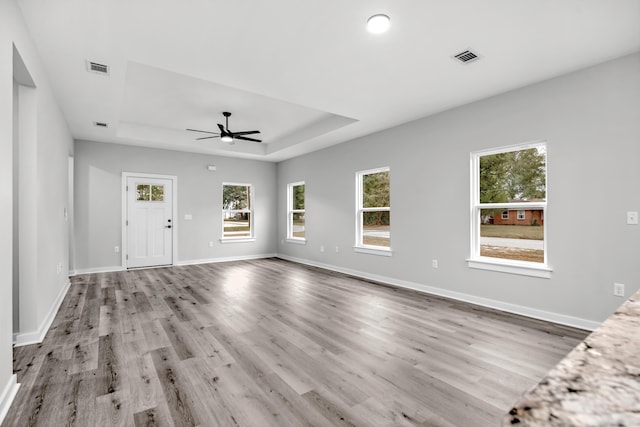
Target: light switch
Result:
[632, 218]
[188, 217]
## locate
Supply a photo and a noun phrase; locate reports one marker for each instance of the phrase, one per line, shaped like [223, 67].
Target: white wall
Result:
[591, 122]
[98, 207]
[48, 160]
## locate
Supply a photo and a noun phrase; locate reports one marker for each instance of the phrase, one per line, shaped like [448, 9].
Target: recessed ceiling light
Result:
[378, 23]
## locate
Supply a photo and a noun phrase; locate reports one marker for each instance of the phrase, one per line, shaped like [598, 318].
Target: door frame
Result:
[174, 202]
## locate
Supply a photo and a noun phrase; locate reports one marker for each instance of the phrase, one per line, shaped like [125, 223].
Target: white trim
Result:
[252, 197]
[522, 268]
[547, 316]
[372, 250]
[237, 239]
[36, 337]
[80, 271]
[185, 262]
[475, 260]
[174, 202]
[291, 211]
[296, 240]
[226, 259]
[360, 209]
[8, 394]
[511, 148]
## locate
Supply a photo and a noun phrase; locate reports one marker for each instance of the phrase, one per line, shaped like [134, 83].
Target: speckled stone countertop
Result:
[597, 384]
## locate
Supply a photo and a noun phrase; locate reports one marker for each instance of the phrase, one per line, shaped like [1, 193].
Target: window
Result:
[373, 211]
[503, 180]
[148, 192]
[237, 211]
[295, 212]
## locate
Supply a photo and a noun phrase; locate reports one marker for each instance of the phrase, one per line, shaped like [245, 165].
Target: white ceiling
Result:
[305, 73]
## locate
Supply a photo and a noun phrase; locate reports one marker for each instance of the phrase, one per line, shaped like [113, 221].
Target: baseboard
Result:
[36, 337]
[7, 396]
[96, 270]
[562, 319]
[225, 259]
[184, 262]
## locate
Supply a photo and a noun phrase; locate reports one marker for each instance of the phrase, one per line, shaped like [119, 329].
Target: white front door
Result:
[149, 222]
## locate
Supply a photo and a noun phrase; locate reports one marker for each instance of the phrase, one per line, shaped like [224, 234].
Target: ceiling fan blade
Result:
[208, 137]
[221, 128]
[246, 139]
[204, 131]
[246, 132]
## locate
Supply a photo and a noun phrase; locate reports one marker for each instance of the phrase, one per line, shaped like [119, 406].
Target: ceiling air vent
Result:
[101, 124]
[94, 67]
[466, 56]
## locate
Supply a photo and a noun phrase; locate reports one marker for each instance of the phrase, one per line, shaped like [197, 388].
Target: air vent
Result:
[94, 67]
[466, 56]
[101, 124]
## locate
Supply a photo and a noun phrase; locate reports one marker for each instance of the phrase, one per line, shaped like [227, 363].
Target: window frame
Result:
[475, 260]
[249, 210]
[291, 211]
[521, 217]
[359, 246]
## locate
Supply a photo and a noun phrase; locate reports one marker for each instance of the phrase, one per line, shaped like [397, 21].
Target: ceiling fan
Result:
[226, 135]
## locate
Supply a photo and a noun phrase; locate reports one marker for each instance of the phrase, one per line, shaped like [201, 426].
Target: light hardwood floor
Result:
[274, 343]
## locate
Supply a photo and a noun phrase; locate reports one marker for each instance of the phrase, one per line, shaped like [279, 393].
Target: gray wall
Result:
[591, 122]
[98, 207]
[47, 187]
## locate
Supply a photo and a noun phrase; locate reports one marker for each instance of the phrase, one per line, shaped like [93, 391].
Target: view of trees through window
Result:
[236, 210]
[296, 211]
[512, 192]
[375, 213]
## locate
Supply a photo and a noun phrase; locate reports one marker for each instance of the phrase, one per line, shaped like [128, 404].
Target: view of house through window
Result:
[296, 211]
[511, 187]
[237, 211]
[374, 211]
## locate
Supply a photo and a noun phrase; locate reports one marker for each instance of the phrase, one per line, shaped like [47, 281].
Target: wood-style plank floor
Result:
[274, 343]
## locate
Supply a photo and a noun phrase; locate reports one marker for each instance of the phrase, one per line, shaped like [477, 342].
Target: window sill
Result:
[237, 239]
[504, 266]
[372, 251]
[297, 241]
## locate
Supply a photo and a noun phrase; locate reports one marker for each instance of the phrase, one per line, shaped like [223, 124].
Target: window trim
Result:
[290, 212]
[359, 210]
[475, 260]
[524, 214]
[251, 236]
[505, 214]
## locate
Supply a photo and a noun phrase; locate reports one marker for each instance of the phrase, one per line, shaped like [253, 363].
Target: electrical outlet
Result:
[321, 248]
[116, 249]
[632, 218]
[618, 289]
[210, 244]
[434, 263]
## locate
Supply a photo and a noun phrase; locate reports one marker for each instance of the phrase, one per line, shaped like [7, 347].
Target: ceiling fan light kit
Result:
[227, 135]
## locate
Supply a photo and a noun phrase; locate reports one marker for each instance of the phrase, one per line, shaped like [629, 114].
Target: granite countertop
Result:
[597, 384]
